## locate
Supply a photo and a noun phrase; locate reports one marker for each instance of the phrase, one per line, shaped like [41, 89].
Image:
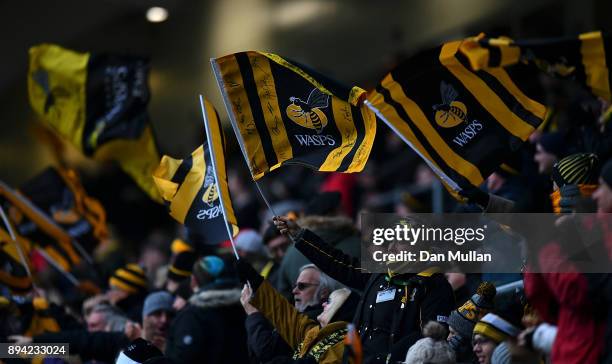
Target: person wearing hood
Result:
[320, 341]
[211, 326]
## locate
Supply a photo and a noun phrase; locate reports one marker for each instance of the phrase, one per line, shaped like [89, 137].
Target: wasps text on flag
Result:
[38, 229]
[193, 196]
[98, 103]
[283, 113]
[58, 193]
[583, 59]
[463, 123]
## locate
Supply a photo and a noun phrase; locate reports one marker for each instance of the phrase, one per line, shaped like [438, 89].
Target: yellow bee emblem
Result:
[309, 114]
[450, 112]
[211, 194]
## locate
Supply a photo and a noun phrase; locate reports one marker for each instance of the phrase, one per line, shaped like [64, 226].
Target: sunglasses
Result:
[300, 286]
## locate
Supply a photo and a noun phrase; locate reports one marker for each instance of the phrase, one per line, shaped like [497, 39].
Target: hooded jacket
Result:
[210, 327]
[305, 336]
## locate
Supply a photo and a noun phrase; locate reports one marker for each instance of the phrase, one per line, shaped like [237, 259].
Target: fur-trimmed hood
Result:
[216, 298]
[329, 227]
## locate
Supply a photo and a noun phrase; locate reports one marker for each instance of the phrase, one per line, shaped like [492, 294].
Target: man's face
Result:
[483, 348]
[603, 197]
[305, 289]
[278, 246]
[544, 160]
[96, 322]
[155, 327]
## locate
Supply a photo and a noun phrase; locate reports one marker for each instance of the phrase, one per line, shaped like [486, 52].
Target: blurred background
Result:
[353, 41]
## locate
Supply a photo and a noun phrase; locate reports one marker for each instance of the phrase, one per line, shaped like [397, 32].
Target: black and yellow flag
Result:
[190, 188]
[583, 59]
[13, 273]
[58, 193]
[283, 113]
[463, 122]
[39, 230]
[99, 104]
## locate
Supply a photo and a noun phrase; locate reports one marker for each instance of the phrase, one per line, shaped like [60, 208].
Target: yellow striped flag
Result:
[38, 229]
[13, 272]
[463, 122]
[283, 113]
[583, 59]
[58, 193]
[98, 103]
[193, 196]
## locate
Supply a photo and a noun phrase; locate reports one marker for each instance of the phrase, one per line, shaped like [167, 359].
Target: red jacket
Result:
[562, 299]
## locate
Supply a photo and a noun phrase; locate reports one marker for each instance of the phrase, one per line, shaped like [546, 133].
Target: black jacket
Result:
[390, 327]
[209, 329]
[265, 343]
[100, 346]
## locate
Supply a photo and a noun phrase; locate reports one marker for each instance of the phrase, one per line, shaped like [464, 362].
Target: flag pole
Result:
[263, 197]
[214, 165]
[11, 232]
[437, 170]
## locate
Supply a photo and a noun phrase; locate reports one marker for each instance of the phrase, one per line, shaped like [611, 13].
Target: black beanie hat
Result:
[576, 169]
[553, 143]
[182, 265]
[606, 173]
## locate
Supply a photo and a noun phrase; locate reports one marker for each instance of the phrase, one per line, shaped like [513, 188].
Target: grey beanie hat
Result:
[156, 301]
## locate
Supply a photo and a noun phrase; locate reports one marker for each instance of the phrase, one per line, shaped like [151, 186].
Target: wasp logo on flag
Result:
[211, 193]
[309, 114]
[450, 112]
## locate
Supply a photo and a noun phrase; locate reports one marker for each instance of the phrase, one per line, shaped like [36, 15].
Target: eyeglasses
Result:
[300, 286]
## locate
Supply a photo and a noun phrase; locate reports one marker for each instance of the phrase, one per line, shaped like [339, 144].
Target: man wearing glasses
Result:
[312, 288]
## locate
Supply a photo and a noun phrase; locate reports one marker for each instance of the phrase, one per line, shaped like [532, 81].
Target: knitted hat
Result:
[212, 265]
[179, 245]
[606, 173]
[576, 169]
[137, 352]
[433, 349]
[553, 143]
[496, 328]
[130, 278]
[249, 241]
[182, 265]
[465, 317]
[157, 301]
[501, 354]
